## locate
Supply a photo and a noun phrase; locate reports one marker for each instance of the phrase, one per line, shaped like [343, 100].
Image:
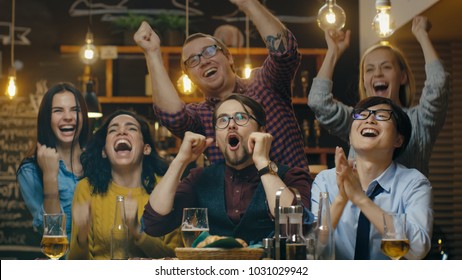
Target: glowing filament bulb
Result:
[185, 85]
[11, 89]
[383, 23]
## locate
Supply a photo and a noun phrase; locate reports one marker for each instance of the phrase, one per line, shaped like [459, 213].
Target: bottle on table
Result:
[119, 232]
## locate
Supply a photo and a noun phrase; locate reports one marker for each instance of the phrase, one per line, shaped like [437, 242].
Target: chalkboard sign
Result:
[18, 239]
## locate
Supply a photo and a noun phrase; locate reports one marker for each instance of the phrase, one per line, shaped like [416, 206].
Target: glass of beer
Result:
[54, 241]
[195, 221]
[394, 241]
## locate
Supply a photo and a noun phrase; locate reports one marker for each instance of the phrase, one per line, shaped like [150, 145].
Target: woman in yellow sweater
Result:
[119, 160]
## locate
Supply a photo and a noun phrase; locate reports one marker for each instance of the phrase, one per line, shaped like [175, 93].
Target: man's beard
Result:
[239, 158]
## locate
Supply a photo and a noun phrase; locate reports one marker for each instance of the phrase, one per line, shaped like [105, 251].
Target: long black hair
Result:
[98, 169]
[45, 134]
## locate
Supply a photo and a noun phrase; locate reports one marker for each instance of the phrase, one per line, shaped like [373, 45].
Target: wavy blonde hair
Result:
[406, 91]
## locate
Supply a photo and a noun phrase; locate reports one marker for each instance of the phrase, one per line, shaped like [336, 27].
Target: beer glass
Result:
[195, 221]
[54, 241]
[394, 241]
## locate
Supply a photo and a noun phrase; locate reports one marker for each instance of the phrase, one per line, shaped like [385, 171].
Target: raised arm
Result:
[270, 28]
[259, 145]
[164, 94]
[420, 28]
[163, 195]
[337, 43]
[48, 160]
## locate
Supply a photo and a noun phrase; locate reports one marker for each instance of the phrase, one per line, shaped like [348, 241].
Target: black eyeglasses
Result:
[207, 52]
[240, 118]
[379, 115]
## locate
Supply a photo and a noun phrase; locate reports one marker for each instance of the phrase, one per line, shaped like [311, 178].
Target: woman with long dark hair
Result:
[47, 176]
[120, 160]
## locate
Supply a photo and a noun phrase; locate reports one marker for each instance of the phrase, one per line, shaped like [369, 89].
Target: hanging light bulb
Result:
[331, 16]
[11, 88]
[247, 63]
[88, 52]
[383, 23]
[247, 68]
[185, 85]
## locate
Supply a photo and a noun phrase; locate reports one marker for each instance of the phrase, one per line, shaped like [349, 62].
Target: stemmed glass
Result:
[195, 221]
[54, 241]
[394, 241]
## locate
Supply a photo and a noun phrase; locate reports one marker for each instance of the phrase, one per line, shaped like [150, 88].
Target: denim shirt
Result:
[31, 186]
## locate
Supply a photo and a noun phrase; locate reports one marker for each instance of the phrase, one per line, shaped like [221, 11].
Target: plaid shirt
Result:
[270, 85]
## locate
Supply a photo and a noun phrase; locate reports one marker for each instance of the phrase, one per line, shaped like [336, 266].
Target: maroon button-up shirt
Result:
[240, 186]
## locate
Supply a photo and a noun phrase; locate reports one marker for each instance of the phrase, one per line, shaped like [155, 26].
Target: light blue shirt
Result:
[31, 186]
[405, 191]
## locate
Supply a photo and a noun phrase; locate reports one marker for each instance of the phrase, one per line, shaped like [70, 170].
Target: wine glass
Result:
[394, 241]
[54, 241]
[195, 221]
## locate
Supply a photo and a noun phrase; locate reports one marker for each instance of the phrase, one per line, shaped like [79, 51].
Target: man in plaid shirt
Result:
[210, 66]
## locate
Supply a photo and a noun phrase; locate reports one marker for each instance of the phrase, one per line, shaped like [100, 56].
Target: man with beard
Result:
[209, 64]
[240, 193]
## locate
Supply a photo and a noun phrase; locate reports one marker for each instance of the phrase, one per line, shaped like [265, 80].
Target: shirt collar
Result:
[385, 179]
[242, 174]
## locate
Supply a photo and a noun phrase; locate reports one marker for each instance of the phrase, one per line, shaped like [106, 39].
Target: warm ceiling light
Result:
[185, 85]
[247, 62]
[11, 88]
[331, 16]
[88, 52]
[383, 23]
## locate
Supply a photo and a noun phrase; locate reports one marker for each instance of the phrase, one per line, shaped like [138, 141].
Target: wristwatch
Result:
[271, 168]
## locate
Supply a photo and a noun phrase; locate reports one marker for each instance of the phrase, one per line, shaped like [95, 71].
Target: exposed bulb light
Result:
[331, 16]
[185, 85]
[247, 68]
[247, 63]
[11, 88]
[88, 52]
[383, 23]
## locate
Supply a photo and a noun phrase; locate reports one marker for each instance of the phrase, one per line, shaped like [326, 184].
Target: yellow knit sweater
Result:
[102, 209]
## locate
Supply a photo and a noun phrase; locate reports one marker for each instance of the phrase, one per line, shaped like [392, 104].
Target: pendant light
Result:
[331, 16]
[11, 88]
[91, 99]
[383, 23]
[247, 62]
[184, 84]
[88, 53]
